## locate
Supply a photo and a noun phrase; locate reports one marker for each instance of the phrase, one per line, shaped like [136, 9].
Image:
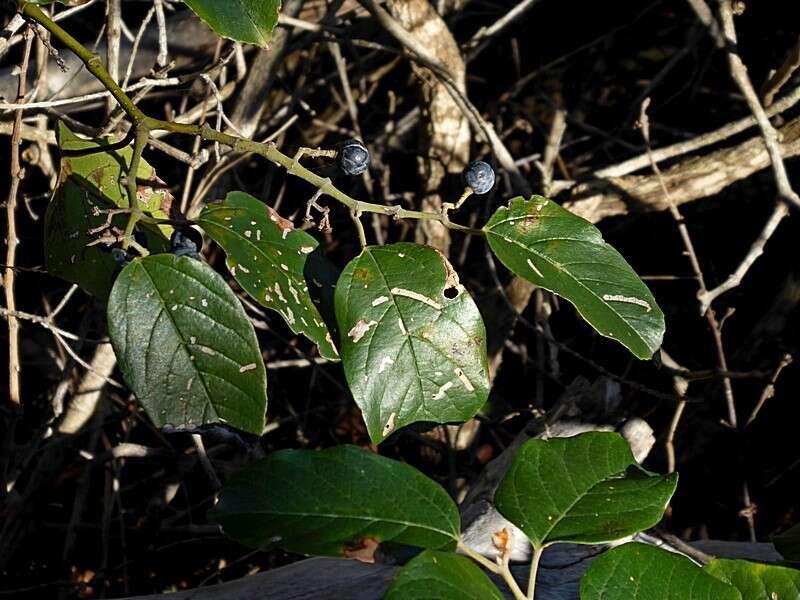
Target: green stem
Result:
[501, 569]
[537, 555]
[479, 558]
[143, 125]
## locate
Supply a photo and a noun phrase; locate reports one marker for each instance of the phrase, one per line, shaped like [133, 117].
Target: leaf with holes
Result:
[185, 345]
[641, 572]
[270, 260]
[249, 21]
[583, 489]
[87, 185]
[561, 252]
[342, 501]
[756, 581]
[434, 574]
[413, 343]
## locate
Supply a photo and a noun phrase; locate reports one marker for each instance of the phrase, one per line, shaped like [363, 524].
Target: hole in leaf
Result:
[451, 293]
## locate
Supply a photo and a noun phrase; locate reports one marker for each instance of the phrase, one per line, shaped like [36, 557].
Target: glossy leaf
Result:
[641, 572]
[434, 575]
[185, 345]
[757, 581]
[336, 502]
[582, 489]
[412, 340]
[270, 260]
[249, 21]
[561, 252]
[87, 185]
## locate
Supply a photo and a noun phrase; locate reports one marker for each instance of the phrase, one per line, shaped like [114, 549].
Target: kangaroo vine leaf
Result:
[565, 254]
[87, 185]
[270, 260]
[249, 21]
[413, 343]
[583, 489]
[756, 581]
[185, 345]
[641, 572]
[342, 501]
[434, 574]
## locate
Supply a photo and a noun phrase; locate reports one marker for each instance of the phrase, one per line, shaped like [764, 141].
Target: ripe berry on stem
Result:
[186, 242]
[479, 177]
[353, 157]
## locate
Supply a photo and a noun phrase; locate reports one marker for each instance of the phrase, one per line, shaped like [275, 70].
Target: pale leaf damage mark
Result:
[535, 270]
[386, 361]
[390, 425]
[379, 300]
[246, 368]
[627, 300]
[360, 329]
[463, 379]
[416, 296]
[442, 390]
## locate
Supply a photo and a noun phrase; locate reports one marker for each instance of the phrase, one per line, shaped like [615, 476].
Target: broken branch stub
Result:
[413, 343]
[549, 246]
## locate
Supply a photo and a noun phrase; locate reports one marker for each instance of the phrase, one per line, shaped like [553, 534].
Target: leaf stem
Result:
[537, 555]
[479, 558]
[501, 568]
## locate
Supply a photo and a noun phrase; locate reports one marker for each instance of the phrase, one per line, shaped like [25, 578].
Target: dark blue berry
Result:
[353, 157]
[186, 242]
[479, 176]
[120, 256]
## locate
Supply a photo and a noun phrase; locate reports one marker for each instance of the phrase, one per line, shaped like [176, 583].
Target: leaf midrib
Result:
[407, 524]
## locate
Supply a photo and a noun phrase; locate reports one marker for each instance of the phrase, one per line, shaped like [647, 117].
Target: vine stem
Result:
[143, 125]
[501, 568]
[537, 555]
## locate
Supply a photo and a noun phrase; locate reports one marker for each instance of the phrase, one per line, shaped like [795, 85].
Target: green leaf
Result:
[788, 543]
[249, 21]
[412, 340]
[336, 502]
[583, 489]
[757, 581]
[89, 184]
[269, 259]
[561, 252]
[441, 576]
[185, 345]
[641, 572]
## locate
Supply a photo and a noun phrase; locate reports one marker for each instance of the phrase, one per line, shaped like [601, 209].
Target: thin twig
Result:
[113, 32]
[783, 73]
[780, 211]
[714, 325]
[739, 75]
[16, 174]
[163, 52]
[769, 389]
[659, 155]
